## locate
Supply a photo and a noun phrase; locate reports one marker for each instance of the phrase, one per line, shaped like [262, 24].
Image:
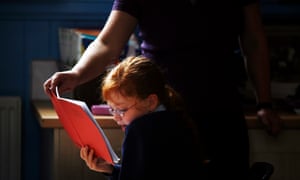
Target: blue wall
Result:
[29, 31]
[281, 13]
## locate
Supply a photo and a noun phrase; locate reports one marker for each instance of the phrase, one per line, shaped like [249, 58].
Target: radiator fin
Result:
[10, 138]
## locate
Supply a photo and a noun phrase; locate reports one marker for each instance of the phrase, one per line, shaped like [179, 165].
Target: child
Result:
[159, 138]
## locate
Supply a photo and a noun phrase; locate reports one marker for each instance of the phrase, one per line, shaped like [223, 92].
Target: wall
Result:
[280, 12]
[29, 32]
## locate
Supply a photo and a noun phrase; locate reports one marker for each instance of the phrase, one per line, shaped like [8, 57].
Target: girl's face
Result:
[126, 109]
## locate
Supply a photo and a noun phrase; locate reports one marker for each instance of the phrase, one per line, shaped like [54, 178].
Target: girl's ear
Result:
[152, 102]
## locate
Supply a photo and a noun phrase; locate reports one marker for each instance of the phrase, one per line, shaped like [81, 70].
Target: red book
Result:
[82, 127]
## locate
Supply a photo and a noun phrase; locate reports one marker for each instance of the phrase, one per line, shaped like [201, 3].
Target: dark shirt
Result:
[194, 43]
[159, 144]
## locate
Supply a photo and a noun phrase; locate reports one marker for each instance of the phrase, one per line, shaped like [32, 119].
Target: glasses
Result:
[119, 112]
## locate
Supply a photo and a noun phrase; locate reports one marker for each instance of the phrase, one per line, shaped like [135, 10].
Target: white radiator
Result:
[10, 138]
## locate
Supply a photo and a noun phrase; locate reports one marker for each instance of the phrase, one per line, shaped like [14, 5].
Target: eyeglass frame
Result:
[119, 112]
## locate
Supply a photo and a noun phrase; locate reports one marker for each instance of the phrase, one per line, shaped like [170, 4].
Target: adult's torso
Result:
[194, 41]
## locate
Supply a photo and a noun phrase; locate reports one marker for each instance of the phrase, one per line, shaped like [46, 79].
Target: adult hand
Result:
[66, 81]
[271, 121]
[93, 162]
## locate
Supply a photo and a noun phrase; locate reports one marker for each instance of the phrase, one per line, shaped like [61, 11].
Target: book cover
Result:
[82, 127]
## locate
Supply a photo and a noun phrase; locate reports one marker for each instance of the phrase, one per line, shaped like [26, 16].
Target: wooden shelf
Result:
[48, 118]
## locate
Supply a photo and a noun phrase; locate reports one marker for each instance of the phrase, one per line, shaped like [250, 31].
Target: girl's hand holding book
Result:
[93, 162]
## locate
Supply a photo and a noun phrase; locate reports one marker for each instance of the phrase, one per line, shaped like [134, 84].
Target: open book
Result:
[82, 127]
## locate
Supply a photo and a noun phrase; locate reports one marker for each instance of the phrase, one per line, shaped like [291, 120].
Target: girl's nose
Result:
[117, 118]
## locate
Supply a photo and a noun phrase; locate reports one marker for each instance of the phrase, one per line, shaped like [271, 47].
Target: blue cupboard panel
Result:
[12, 52]
[37, 40]
[56, 11]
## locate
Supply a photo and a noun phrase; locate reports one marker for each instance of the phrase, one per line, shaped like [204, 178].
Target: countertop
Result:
[48, 118]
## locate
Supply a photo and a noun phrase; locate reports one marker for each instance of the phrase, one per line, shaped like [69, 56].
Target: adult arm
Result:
[255, 49]
[104, 50]
[107, 47]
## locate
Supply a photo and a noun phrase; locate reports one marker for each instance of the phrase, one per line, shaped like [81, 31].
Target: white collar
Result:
[161, 107]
